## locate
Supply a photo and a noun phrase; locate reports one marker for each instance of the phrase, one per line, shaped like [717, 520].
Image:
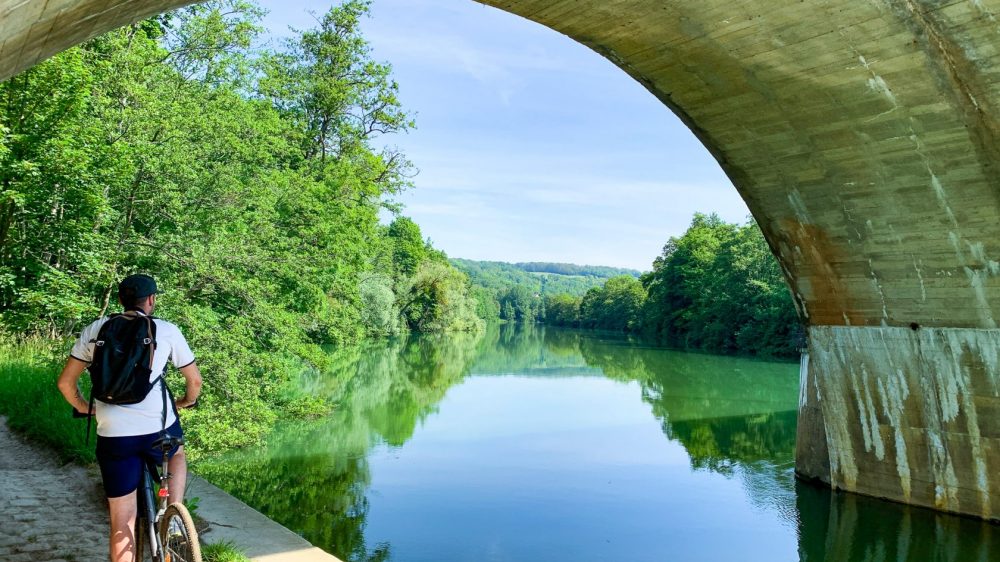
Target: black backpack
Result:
[123, 359]
[122, 362]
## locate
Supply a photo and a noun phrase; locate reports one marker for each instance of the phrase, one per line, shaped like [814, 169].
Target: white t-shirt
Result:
[143, 417]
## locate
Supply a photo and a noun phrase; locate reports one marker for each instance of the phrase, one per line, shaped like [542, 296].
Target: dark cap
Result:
[136, 286]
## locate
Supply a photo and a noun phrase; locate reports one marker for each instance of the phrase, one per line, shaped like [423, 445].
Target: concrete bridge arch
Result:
[865, 138]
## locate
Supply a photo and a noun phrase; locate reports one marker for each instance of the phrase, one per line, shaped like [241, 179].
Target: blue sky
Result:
[530, 146]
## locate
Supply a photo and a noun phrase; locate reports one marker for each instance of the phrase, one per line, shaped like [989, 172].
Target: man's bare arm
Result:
[68, 384]
[192, 385]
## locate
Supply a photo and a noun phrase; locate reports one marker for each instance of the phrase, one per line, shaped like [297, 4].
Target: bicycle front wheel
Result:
[178, 535]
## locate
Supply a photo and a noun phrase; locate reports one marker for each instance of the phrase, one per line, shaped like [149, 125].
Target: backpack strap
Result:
[90, 416]
[151, 342]
[166, 395]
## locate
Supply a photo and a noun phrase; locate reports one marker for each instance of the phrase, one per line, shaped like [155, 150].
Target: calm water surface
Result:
[539, 444]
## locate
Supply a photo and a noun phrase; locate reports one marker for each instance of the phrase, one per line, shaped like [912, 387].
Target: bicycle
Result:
[172, 536]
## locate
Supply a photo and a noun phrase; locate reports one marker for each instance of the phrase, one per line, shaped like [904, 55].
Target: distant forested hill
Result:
[518, 290]
[539, 277]
[715, 288]
[573, 269]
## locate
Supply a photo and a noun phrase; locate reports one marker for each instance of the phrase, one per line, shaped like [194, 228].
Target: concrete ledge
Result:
[260, 538]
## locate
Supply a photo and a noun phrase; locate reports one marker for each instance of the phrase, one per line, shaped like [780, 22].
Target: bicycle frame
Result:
[148, 507]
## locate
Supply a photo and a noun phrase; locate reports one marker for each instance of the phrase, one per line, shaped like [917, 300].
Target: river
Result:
[542, 444]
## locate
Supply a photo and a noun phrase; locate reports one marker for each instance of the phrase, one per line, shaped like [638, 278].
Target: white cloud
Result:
[500, 68]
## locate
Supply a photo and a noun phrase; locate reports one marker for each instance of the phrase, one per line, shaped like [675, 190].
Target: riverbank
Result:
[56, 512]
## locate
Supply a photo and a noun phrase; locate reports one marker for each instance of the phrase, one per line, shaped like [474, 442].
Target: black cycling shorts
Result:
[121, 459]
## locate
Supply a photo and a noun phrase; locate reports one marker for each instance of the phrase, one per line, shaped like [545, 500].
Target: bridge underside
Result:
[863, 135]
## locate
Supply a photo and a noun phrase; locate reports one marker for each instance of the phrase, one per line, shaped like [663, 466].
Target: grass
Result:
[224, 551]
[32, 403]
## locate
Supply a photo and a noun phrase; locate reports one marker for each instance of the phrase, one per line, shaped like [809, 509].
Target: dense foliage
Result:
[719, 288]
[248, 181]
[519, 291]
[716, 288]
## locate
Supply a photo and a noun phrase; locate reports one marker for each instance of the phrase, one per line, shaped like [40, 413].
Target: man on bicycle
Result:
[125, 433]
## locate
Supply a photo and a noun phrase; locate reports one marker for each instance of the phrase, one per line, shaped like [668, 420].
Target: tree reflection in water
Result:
[312, 477]
[734, 417]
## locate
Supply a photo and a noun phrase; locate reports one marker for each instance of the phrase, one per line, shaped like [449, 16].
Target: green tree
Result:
[562, 310]
[615, 306]
[507, 311]
[249, 182]
[51, 187]
[408, 247]
[379, 312]
[678, 275]
[436, 299]
[519, 304]
[719, 288]
[487, 306]
[327, 82]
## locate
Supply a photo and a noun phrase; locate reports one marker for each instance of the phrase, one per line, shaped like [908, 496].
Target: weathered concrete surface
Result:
[812, 454]
[863, 135]
[910, 415]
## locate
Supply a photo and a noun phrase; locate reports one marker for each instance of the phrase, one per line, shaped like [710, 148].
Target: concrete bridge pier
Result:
[908, 414]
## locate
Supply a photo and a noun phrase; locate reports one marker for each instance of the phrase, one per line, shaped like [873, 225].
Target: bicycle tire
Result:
[178, 535]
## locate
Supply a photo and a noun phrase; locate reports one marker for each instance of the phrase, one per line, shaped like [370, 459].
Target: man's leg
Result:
[178, 475]
[122, 528]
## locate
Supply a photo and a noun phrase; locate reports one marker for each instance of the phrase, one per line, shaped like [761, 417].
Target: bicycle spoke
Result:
[179, 537]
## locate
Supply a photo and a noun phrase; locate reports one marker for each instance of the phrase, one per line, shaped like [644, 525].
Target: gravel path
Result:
[48, 511]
